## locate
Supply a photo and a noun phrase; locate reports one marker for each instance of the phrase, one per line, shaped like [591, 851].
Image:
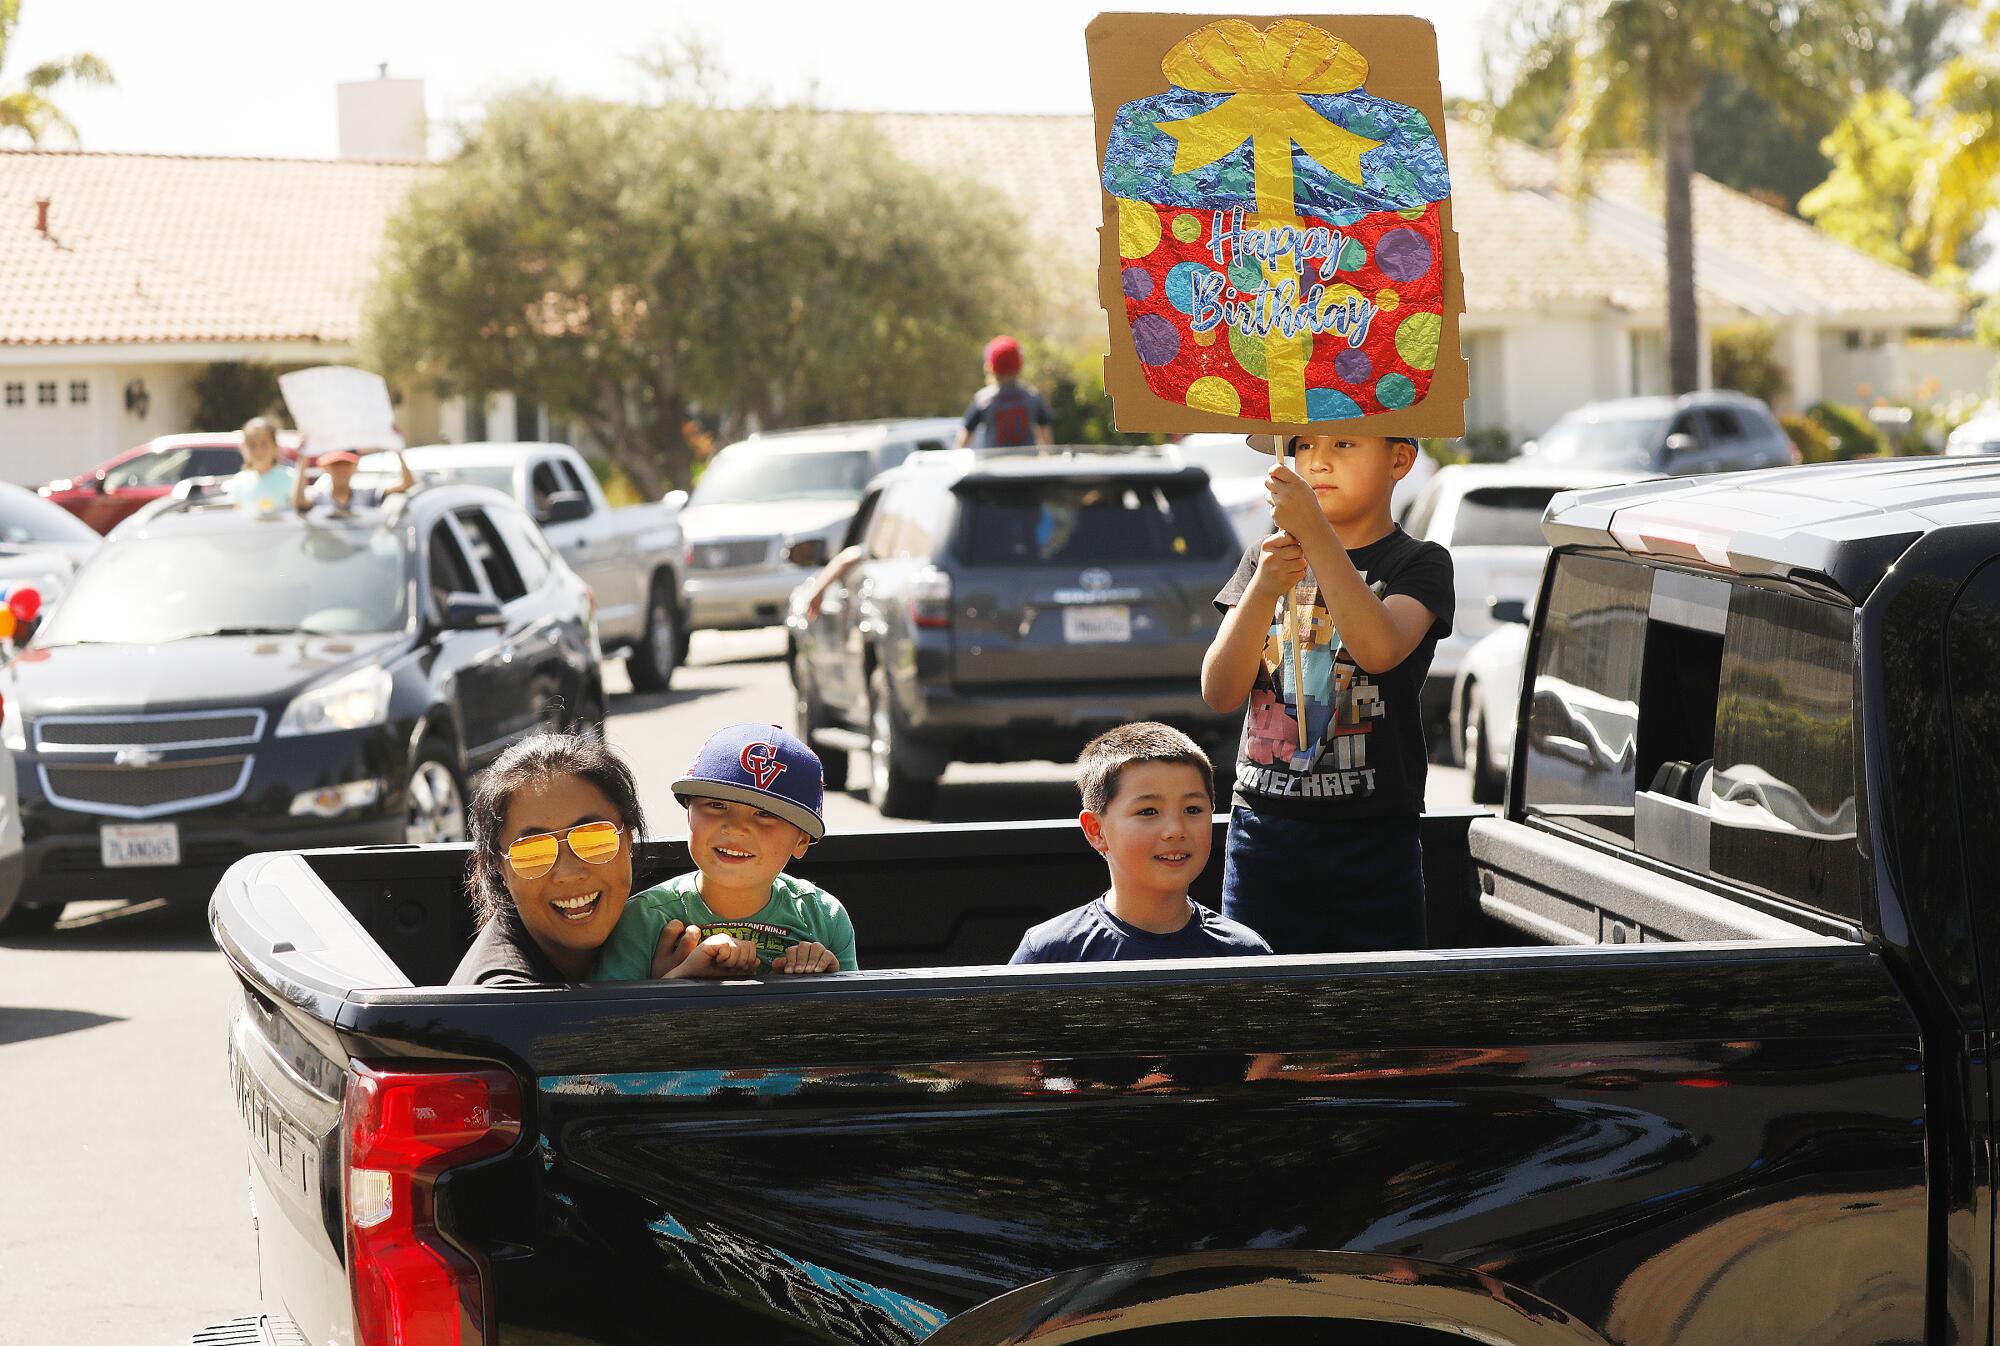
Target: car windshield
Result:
[1087, 523]
[500, 476]
[27, 520]
[264, 579]
[1595, 437]
[1502, 516]
[744, 475]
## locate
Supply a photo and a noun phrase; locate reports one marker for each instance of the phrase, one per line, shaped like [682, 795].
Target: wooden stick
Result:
[1292, 625]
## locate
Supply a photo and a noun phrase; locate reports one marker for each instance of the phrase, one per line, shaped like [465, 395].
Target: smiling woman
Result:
[546, 881]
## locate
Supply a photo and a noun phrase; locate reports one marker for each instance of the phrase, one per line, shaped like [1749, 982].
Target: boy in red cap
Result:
[1006, 413]
[335, 492]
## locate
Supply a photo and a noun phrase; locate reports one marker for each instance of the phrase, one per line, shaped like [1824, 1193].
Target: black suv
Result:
[216, 683]
[1010, 605]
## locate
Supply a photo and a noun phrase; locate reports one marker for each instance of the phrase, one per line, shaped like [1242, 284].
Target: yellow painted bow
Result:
[1266, 73]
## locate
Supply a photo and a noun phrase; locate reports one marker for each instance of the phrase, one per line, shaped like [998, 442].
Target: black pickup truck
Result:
[1700, 1050]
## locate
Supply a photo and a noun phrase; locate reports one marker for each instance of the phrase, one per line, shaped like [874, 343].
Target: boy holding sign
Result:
[1322, 853]
[335, 493]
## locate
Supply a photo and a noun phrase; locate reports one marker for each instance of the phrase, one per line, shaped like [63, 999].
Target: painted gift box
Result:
[1279, 232]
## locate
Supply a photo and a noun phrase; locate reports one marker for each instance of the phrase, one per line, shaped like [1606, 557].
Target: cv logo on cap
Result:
[761, 761]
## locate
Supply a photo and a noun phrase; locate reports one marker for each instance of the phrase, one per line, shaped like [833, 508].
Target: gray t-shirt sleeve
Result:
[1232, 592]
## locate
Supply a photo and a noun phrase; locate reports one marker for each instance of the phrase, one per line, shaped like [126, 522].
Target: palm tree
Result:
[1631, 72]
[1956, 183]
[28, 108]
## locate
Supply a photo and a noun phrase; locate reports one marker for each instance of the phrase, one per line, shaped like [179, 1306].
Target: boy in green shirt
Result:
[753, 797]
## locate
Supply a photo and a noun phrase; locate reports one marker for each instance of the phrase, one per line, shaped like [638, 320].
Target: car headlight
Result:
[13, 728]
[352, 702]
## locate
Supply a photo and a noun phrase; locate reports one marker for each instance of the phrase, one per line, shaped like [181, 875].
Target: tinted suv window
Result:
[1582, 752]
[525, 544]
[1781, 797]
[1502, 516]
[1086, 523]
[213, 463]
[1722, 425]
[491, 555]
[449, 572]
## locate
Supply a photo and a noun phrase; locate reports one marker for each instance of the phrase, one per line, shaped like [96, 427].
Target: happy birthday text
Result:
[1288, 307]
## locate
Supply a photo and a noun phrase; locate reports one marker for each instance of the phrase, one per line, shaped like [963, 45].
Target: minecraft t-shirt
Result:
[1364, 754]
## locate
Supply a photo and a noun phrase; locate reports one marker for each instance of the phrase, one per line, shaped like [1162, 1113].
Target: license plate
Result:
[126, 845]
[1104, 624]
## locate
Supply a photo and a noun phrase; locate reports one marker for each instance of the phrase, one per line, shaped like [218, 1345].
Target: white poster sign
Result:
[337, 407]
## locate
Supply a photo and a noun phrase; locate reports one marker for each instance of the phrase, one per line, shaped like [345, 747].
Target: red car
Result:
[104, 496]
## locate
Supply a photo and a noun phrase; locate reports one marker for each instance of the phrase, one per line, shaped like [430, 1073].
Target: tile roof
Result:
[158, 248]
[1524, 242]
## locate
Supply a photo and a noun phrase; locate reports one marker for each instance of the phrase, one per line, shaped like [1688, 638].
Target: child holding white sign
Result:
[335, 493]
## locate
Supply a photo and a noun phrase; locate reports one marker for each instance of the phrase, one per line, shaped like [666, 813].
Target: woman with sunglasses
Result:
[553, 826]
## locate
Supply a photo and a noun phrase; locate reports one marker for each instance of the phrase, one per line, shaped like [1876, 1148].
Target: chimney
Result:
[42, 216]
[383, 118]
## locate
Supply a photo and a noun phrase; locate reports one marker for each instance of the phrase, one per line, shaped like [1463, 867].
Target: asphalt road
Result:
[123, 1212]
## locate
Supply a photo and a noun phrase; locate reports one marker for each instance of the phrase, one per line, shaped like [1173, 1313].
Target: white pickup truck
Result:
[630, 556]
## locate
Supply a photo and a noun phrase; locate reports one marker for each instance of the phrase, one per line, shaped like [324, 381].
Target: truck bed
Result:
[1527, 1132]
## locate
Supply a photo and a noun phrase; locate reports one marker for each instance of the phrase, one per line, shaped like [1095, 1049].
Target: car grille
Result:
[90, 733]
[732, 555]
[134, 791]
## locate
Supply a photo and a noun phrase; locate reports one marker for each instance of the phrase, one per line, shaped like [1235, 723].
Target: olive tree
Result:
[631, 266]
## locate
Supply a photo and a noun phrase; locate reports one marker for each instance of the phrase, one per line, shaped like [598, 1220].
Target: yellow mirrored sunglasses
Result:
[593, 843]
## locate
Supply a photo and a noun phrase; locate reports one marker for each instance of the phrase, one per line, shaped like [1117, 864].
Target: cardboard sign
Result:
[1277, 250]
[336, 407]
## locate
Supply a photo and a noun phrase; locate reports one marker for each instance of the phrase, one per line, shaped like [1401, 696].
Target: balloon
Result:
[6, 623]
[24, 604]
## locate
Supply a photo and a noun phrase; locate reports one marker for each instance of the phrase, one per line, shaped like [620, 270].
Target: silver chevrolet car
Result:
[771, 509]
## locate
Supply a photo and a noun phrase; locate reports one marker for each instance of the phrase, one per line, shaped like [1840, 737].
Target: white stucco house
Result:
[122, 275]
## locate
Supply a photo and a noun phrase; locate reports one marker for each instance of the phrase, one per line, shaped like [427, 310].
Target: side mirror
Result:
[1682, 443]
[471, 612]
[1508, 610]
[564, 507]
[674, 499]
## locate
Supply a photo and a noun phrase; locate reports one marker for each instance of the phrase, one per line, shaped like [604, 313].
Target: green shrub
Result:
[229, 392]
[1853, 434]
[1809, 437]
[1745, 359]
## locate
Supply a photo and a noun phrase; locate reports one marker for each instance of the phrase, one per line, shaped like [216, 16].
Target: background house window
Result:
[17, 394]
[45, 393]
[79, 392]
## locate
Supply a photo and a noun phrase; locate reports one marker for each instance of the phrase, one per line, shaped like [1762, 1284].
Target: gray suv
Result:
[1008, 605]
[1712, 431]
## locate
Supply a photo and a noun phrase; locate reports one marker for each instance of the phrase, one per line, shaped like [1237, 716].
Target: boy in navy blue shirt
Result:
[1148, 801]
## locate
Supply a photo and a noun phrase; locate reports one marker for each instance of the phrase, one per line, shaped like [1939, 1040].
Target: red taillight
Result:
[403, 1129]
[930, 598]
